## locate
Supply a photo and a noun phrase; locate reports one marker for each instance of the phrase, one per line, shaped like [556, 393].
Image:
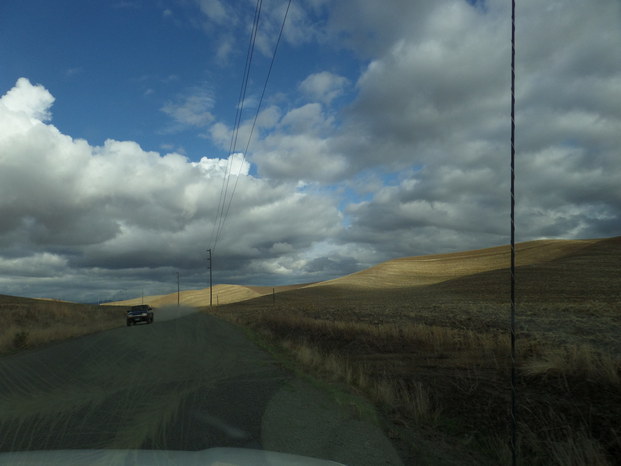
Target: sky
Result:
[383, 132]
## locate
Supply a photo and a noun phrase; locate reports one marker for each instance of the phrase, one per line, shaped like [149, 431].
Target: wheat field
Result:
[427, 339]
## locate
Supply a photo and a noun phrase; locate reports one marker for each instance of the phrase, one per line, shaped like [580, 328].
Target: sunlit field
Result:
[427, 339]
[221, 294]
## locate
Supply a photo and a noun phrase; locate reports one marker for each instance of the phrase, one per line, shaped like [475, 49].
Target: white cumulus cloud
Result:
[324, 86]
[32, 101]
[82, 210]
[192, 109]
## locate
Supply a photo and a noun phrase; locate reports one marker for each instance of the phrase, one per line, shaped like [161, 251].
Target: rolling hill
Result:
[222, 294]
[437, 268]
[547, 271]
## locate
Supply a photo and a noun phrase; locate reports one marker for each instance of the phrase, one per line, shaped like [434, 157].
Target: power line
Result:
[256, 116]
[217, 228]
[269, 72]
[209, 258]
[513, 351]
[226, 207]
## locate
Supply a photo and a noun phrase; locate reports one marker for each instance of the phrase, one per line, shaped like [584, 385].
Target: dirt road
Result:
[187, 382]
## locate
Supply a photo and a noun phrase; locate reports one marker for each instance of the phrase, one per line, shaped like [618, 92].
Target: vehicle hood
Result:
[211, 456]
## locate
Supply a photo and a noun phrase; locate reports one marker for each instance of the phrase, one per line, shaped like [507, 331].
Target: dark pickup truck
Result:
[140, 313]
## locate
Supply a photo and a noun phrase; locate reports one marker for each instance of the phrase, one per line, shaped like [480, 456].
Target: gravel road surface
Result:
[187, 382]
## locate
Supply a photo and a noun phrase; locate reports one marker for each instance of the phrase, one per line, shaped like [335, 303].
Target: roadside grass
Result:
[279, 351]
[415, 401]
[577, 362]
[27, 323]
[456, 381]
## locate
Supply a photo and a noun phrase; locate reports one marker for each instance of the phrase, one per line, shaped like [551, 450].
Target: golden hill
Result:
[437, 268]
[476, 275]
[443, 322]
[566, 291]
[222, 294]
[552, 276]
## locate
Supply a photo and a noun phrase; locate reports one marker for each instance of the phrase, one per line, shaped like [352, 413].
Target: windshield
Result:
[317, 200]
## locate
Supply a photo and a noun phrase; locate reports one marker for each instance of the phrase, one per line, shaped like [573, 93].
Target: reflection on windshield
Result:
[316, 198]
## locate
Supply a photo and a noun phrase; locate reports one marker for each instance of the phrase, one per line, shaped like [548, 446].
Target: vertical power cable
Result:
[256, 115]
[217, 228]
[226, 206]
[513, 352]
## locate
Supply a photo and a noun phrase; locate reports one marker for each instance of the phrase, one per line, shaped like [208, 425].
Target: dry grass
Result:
[555, 439]
[415, 401]
[455, 380]
[578, 449]
[27, 323]
[427, 339]
[386, 337]
[437, 354]
[577, 362]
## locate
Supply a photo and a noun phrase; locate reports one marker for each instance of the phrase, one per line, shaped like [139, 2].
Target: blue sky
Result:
[384, 133]
[139, 57]
[133, 60]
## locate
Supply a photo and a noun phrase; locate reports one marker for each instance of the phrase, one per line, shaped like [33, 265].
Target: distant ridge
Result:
[458, 269]
[437, 268]
[222, 294]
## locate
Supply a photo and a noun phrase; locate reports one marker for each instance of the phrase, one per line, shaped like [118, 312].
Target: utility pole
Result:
[177, 289]
[210, 280]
